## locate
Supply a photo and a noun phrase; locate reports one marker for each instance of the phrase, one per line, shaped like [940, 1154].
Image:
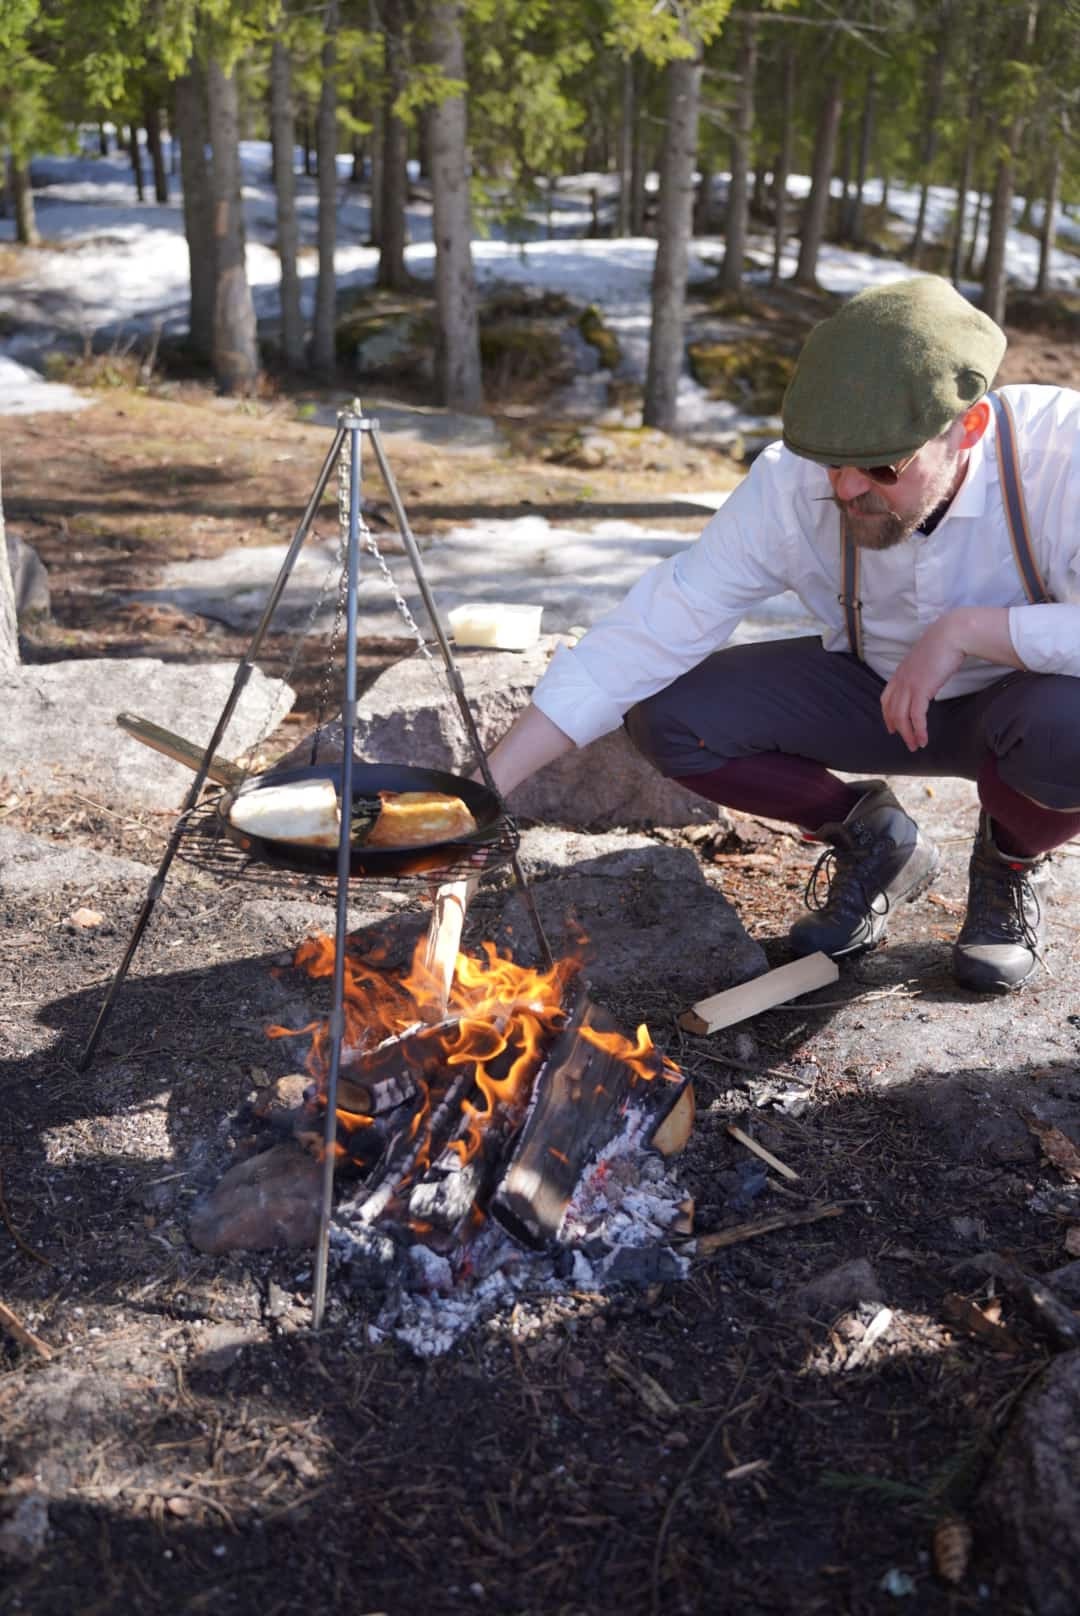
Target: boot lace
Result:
[1003, 903]
[846, 880]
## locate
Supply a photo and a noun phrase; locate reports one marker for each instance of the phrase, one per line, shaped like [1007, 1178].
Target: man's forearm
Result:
[530, 742]
[983, 631]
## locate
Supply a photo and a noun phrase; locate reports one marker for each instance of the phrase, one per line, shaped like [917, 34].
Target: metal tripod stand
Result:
[352, 427]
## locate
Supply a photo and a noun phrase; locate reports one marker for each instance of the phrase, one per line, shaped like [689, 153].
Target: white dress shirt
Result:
[780, 530]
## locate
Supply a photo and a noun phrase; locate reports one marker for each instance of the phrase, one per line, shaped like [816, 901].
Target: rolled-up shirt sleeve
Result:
[1047, 638]
[675, 615]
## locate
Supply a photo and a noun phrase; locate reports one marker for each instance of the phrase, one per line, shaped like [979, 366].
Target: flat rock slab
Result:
[31, 863]
[1033, 1492]
[647, 913]
[409, 716]
[60, 732]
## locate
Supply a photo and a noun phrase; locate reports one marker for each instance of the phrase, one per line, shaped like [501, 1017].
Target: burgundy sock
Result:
[1022, 827]
[778, 786]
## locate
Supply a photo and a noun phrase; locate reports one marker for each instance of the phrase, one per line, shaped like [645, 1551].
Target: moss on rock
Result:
[751, 373]
[599, 336]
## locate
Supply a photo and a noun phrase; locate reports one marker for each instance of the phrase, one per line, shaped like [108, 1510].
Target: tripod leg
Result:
[337, 1017]
[243, 674]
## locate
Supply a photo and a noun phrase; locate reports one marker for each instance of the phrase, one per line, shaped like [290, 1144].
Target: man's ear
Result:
[975, 422]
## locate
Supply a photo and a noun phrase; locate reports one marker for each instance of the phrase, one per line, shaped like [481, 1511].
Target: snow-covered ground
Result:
[111, 265]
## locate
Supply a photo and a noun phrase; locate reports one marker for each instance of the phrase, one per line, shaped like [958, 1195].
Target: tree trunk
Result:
[783, 160]
[103, 140]
[1046, 231]
[136, 163]
[935, 91]
[866, 143]
[152, 123]
[976, 224]
[235, 356]
[994, 277]
[637, 153]
[22, 196]
[395, 184]
[626, 149]
[458, 341]
[967, 163]
[731, 276]
[283, 126]
[9, 629]
[817, 207]
[195, 179]
[673, 240]
[323, 348]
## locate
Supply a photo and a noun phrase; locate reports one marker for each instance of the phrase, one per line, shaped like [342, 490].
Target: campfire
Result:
[498, 1130]
[496, 1108]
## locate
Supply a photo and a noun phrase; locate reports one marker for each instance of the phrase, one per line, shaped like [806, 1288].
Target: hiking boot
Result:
[1002, 932]
[878, 857]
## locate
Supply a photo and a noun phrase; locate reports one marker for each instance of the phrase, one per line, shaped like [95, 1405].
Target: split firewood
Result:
[952, 1542]
[580, 1099]
[674, 1132]
[760, 993]
[26, 1338]
[443, 942]
[706, 1244]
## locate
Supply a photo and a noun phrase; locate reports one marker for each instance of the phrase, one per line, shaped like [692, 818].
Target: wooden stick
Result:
[765, 1155]
[26, 1337]
[760, 993]
[708, 1243]
[222, 770]
[443, 941]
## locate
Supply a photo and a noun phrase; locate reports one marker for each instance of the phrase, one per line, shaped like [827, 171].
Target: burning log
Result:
[583, 1096]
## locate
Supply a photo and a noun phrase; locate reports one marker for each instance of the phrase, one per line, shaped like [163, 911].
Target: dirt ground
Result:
[201, 1449]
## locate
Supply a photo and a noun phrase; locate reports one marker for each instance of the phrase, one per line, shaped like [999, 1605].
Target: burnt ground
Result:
[202, 1450]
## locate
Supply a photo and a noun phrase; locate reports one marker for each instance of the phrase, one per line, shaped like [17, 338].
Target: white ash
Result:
[616, 1231]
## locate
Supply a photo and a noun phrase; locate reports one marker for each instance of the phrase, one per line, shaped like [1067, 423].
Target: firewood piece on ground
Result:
[765, 1155]
[10, 1322]
[708, 1243]
[579, 1105]
[760, 993]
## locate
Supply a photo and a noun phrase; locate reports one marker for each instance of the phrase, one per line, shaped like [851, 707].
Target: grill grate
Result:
[206, 847]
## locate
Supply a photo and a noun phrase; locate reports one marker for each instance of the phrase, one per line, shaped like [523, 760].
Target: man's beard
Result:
[872, 524]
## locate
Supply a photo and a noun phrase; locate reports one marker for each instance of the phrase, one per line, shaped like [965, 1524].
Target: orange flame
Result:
[500, 1017]
[643, 1057]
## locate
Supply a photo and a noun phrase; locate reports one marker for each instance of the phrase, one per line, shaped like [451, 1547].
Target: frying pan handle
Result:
[222, 771]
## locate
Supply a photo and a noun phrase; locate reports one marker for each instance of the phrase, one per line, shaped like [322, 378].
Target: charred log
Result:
[583, 1097]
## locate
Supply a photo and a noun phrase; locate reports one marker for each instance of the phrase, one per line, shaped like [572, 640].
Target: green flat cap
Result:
[888, 372]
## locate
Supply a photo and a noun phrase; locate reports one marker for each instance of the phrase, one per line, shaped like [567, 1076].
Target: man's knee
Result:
[1038, 743]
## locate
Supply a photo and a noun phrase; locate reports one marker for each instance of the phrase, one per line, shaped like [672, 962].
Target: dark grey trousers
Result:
[793, 696]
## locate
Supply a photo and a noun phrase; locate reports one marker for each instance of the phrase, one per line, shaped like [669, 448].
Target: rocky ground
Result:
[816, 1420]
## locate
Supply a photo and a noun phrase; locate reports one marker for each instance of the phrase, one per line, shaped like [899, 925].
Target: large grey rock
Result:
[59, 730]
[648, 917]
[409, 716]
[29, 578]
[1033, 1492]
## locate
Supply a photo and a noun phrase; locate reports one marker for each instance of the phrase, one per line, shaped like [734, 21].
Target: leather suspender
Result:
[1015, 506]
[1016, 514]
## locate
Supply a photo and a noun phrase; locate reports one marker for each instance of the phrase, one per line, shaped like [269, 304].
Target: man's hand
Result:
[981, 631]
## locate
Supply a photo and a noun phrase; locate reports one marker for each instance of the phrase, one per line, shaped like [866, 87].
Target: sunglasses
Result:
[886, 476]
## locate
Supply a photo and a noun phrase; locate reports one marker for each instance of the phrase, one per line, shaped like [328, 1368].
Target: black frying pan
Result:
[368, 779]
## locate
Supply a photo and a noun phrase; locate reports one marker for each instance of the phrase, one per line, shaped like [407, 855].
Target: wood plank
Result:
[761, 993]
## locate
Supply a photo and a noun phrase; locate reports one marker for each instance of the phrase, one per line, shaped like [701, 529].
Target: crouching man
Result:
[931, 527]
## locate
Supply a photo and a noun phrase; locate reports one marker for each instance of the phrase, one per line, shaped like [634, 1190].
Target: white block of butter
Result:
[505, 626]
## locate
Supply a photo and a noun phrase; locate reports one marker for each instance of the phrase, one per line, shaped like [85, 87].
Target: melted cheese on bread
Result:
[414, 818]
